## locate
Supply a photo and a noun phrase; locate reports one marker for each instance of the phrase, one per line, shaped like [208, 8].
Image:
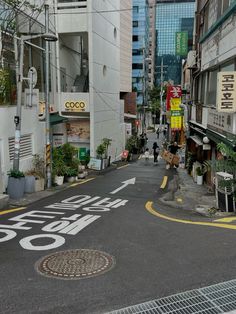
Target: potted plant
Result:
[71, 174]
[34, 178]
[59, 170]
[200, 172]
[16, 184]
[106, 143]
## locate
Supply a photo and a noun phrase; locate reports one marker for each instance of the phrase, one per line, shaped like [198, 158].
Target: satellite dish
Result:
[32, 76]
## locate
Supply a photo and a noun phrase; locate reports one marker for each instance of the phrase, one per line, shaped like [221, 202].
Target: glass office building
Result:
[172, 17]
[140, 48]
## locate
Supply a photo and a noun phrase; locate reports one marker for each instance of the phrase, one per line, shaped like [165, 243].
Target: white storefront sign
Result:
[220, 121]
[226, 92]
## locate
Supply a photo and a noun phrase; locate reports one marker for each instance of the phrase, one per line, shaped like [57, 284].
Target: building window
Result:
[135, 37]
[135, 23]
[212, 85]
[136, 66]
[229, 66]
[203, 88]
[137, 52]
[135, 9]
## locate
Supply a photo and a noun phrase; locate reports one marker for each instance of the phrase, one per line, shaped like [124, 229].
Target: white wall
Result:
[220, 46]
[29, 125]
[105, 86]
[125, 46]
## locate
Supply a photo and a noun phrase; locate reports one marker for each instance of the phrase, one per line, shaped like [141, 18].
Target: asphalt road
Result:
[153, 257]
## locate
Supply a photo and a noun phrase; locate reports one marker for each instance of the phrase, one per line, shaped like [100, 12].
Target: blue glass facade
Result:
[172, 18]
[140, 46]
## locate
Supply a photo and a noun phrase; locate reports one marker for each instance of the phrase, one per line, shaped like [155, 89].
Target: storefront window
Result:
[203, 88]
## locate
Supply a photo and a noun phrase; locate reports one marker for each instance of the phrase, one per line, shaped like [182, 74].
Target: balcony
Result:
[68, 20]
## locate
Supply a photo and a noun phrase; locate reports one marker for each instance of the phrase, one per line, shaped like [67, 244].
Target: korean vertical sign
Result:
[226, 92]
[181, 43]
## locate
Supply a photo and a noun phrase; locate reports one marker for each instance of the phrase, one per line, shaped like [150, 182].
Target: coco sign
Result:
[74, 106]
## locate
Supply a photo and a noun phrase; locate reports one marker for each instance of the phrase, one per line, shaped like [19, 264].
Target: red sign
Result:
[137, 122]
[125, 154]
[172, 92]
[175, 91]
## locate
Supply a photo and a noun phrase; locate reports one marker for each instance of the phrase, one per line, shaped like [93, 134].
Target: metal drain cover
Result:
[75, 264]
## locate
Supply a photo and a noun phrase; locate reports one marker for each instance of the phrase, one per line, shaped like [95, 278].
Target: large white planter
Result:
[59, 180]
[199, 180]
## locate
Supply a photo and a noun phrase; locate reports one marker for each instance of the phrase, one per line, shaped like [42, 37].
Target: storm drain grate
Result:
[219, 298]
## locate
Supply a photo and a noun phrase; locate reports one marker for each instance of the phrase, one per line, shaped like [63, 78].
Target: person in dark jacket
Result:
[173, 148]
[156, 150]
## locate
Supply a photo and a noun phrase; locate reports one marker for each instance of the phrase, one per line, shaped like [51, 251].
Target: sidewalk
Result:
[33, 197]
[188, 195]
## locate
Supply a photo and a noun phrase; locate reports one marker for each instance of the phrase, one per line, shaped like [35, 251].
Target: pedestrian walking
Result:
[164, 131]
[156, 150]
[158, 133]
[147, 154]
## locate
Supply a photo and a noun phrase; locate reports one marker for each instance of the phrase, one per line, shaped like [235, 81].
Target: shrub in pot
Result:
[34, 178]
[71, 174]
[16, 184]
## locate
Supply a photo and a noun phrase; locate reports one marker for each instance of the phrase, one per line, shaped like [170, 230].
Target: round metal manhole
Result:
[75, 264]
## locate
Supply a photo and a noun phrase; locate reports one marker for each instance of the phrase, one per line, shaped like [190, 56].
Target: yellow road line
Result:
[11, 210]
[151, 210]
[164, 182]
[227, 219]
[82, 182]
[123, 166]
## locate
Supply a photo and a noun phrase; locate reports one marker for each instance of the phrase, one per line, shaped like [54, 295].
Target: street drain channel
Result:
[219, 298]
[75, 264]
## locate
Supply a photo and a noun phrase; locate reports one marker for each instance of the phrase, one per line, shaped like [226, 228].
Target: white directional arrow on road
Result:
[125, 183]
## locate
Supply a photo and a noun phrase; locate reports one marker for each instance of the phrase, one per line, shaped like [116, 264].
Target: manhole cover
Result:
[75, 264]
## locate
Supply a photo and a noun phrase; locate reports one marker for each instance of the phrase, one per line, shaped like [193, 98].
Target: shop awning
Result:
[218, 138]
[56, 119]
[196, 139]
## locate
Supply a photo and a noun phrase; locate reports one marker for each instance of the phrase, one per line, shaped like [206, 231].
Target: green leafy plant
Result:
[101, 150]
[69, 153]
[15, 173]
[71, 172]
[106, 142]
[227, 164]
[199, 171]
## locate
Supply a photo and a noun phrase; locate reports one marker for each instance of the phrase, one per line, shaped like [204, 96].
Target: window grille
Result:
[25, 146]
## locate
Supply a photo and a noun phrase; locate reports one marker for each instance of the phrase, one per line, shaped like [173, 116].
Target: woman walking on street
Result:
[156, 150]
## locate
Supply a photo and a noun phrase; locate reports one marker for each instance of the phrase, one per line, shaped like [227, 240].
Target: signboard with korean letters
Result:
[226, 92]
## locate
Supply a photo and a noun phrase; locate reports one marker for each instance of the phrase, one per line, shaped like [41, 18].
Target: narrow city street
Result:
[147, 257]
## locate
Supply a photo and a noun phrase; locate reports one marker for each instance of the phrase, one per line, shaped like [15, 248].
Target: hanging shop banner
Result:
[176, 123]
[175, 104]
[78, 131]
[173, 91]
[176, 120]
[181, 43]
[226, 92]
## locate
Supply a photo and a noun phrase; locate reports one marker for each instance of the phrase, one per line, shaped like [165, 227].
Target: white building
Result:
[85, 81]
[89, 72]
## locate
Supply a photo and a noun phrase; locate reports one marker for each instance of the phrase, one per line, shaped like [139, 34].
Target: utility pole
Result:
[19, 58]
[47, 111]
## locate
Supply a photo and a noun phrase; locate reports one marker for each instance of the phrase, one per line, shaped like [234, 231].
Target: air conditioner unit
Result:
[191, 58]
[224, 195]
